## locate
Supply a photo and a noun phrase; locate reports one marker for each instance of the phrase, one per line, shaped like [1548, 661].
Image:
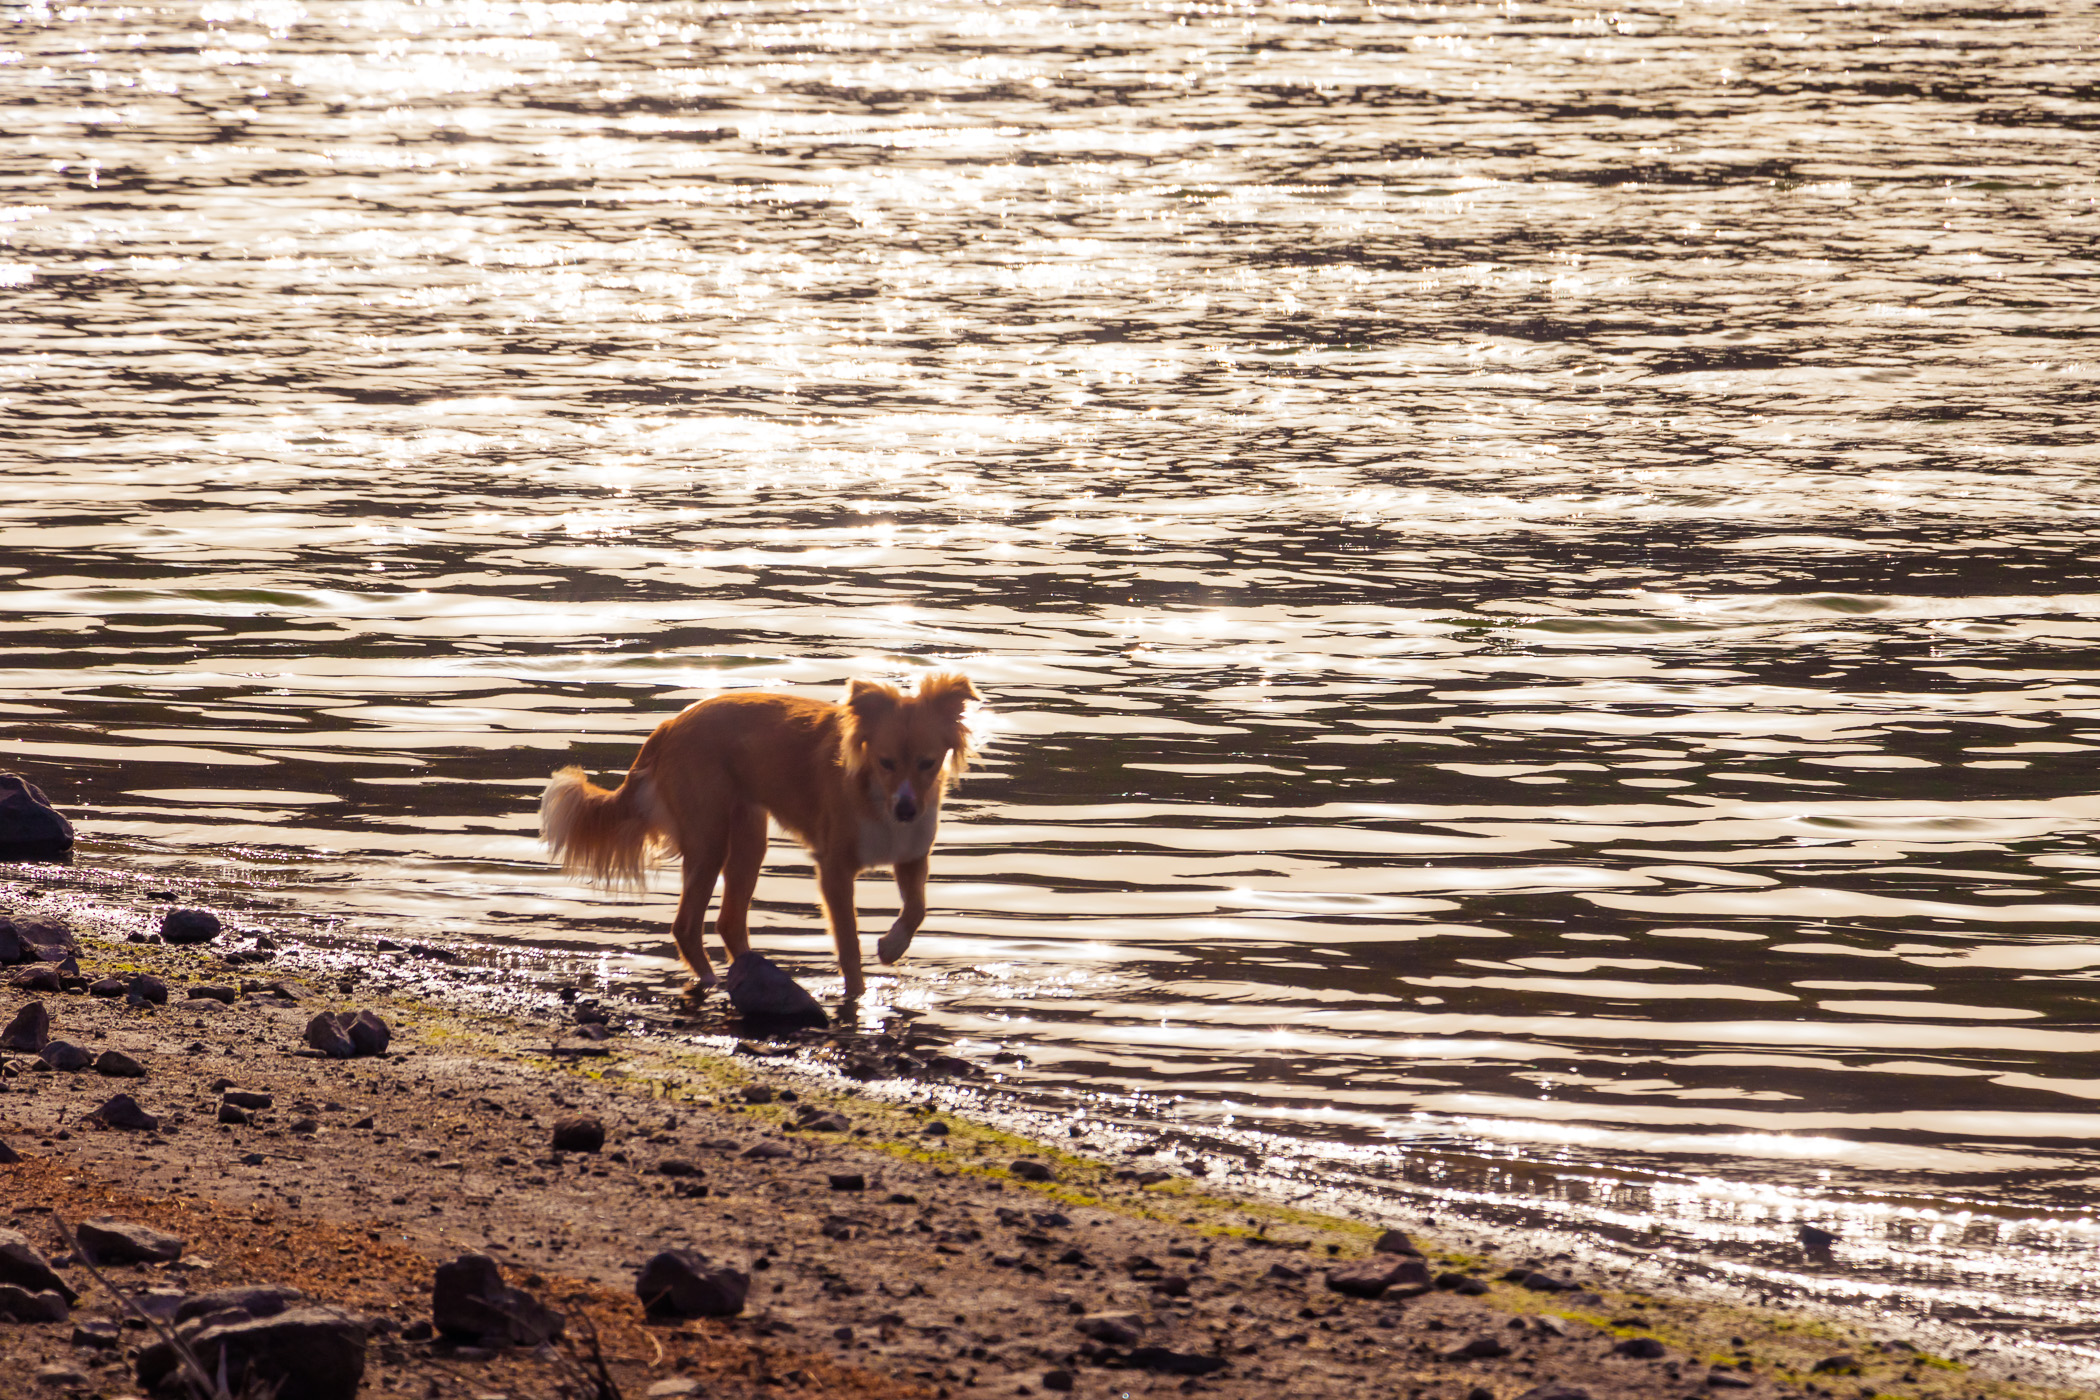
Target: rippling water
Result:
[1537, 569]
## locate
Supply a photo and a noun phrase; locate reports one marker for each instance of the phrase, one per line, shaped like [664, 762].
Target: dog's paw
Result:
[896, 943]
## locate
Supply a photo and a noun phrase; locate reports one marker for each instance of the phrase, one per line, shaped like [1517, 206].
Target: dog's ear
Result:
[946, 695]
[864, 703]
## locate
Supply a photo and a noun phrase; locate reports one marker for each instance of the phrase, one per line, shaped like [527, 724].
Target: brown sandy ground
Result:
[945, 1276]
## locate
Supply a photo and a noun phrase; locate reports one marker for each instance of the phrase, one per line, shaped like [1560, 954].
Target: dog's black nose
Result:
[906, 809]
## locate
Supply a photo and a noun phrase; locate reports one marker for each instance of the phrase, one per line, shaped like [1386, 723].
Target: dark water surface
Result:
[1537, 569]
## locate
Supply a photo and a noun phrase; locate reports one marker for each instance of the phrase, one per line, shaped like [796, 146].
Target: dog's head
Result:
[908, 745]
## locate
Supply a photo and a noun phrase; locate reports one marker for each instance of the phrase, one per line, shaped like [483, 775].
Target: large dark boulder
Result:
[768, 997]
[469, 1301]
[23, 1266]
[29, 1031]
[30, 827]
[308, 1353]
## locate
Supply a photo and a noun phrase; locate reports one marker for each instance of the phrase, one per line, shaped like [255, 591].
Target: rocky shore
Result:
[465, 1201]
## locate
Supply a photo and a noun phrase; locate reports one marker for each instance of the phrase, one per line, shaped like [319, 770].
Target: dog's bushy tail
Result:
[607, 837]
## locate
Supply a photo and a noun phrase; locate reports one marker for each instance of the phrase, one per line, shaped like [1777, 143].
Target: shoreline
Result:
[943, 1273]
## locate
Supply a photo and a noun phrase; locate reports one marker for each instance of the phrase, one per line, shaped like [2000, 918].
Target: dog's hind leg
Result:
[911, 889]
[747, 852]
[703, 864]
[835, 888]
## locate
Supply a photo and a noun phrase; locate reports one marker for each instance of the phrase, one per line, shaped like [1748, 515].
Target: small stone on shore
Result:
[685, 1283]
[1025, 1170]
[578, 1134]
[189, 926]
[30, 1030]
[23, 1266]
[18, 1304]
[123, 1111]
[65, 1056]
[108, 1241]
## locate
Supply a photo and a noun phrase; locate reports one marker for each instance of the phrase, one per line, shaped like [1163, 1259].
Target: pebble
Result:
[1178, 1363]
[1370, 1278]
[578, 1133]
[123, 1111]
[189, 926]
[673, 1389]
[147, 988]
[60, 1376]
[1394, 1242]
[1640, 1348]
[109, 1241]
[1118, 1329]
[1554, 1390]
[115, 1064]
[848, 1181]
[1479, 1349]
[246, 1098]
[1843, 1363]
[107, 987]
[1025, 1170]
[23, 1266]
[224, 995]
[685, 1283]
[766, 1151]
[30, 1030]
[19, 1304]
[64, 1055]
[469, 1302]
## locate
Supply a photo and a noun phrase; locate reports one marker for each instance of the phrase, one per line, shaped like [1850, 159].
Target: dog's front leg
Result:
[835, 886]
[911, 890]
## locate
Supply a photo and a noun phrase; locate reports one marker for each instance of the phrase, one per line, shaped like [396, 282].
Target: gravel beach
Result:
[885, 1247]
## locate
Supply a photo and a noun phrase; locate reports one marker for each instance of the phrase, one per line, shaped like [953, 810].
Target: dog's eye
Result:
[924, 764]
[889, 765]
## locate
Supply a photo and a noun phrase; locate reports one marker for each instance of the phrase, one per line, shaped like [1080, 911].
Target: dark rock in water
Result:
[304, 1352]
[1394, 1242]
[108, 1241]
[22, 1266]
[148, 988]
[761, 991]
[1369, 1278]
[325, 1033]
[368, 1034]
[684, 1283]
[469, 1301]
[30, 827]
[29, 1031]
[578, 1134]
[21, 1305]
[123, 1111]
[115, 1064]
[1816, 1242]
[1026, 1170]
[189, 926]
[64, 1055]
[41, 978]
[261, 1300]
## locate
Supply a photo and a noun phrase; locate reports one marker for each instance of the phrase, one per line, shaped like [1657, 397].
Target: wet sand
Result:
[942, 1273]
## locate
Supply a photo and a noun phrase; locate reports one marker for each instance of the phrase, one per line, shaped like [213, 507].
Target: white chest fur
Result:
[886, 841]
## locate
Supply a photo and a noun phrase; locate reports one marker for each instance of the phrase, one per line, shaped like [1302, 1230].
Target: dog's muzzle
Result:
[907, 806]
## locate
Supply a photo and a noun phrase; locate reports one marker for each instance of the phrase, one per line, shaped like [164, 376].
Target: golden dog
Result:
[859, 783]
